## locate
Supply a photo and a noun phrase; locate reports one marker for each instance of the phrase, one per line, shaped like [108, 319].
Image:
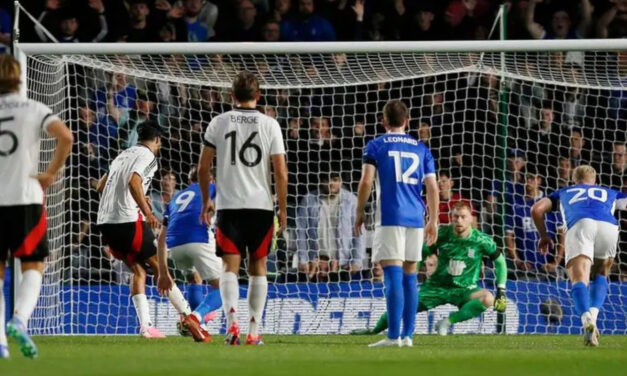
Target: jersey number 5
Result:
[405, 176]
[248, 144]
[11, 135]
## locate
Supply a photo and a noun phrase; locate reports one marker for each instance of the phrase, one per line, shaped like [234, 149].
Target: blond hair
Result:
[584, 172]
[10, 74]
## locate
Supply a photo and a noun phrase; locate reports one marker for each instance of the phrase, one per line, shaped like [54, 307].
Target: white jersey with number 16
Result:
[21, 123]
[244, 140]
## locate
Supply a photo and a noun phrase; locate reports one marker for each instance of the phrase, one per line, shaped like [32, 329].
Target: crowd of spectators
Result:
[551, 128]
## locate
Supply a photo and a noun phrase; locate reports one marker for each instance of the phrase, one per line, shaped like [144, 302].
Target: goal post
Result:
[328, 99]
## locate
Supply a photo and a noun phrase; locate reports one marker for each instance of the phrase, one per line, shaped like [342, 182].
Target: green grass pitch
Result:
[322, 355]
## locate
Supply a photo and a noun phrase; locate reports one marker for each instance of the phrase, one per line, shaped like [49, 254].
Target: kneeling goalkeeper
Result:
[460, 249]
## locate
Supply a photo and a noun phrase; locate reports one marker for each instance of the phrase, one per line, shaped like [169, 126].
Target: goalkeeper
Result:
[460, 249]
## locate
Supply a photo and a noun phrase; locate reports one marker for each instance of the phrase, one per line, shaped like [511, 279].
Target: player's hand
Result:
[164, 284]
[282, 221]
[431, 232]
[545, 244]
[207, 213]
[500, 302]
[153, 221]
[45, 179]
[359, 222]
[522, 265]
[550, 267]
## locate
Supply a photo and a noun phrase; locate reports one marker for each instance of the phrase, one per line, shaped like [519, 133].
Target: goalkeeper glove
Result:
[500, 303]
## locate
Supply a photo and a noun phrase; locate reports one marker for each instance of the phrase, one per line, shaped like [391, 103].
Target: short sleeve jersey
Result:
[244, 140]
[21, 123]
[182, 216]
[588, 201]
[117, 204]
[402, 164]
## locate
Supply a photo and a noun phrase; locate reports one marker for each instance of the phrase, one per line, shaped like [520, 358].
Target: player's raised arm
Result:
[363, 192]
[280, 184]
[204, 176]
[63, 135]
[538, 210]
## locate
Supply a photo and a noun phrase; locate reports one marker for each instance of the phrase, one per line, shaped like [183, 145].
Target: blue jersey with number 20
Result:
[402, 163]
[588, 201]
[182, 216]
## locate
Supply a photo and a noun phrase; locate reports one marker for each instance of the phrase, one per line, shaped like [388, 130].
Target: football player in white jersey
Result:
[22, 213]
[125, 220]
[246, 144]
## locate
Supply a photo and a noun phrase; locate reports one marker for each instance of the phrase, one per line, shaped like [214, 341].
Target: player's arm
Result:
[363, 193]
[621, 201]
[535, 29]
[433, 203]
[164, 282]
[280, 185]
[538, 210]
[137, 191]
[500, 270]
[204, 176]
[58, 130]
[102, 182]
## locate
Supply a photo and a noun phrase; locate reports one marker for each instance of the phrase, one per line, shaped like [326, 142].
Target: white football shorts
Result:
[197, 256]
[397, 243]
[592, 238]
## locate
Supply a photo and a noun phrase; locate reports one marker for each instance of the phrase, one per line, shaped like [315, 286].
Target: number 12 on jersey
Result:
[405, 176]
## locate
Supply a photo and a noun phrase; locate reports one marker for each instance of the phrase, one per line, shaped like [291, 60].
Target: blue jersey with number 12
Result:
[402, 163]
[182, 216]
[588, 201]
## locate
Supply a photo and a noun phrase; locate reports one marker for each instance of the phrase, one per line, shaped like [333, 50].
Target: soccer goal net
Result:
[506, 121]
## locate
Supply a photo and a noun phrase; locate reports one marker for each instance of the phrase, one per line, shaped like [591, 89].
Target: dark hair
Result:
[245, 86]
[330, 176]
[446, 173]
[166, 172]
[396, 113]
[149, 131]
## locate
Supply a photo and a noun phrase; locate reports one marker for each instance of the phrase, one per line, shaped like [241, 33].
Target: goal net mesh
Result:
[506, 130]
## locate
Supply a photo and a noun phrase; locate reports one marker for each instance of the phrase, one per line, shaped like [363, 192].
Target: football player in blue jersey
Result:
[192, 248]
[591, 236]
[402, 165]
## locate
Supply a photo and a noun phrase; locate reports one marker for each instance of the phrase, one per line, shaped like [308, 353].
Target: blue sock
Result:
[581, 298]
[410, 292]
[211, 303]
[194, 295]
[393, 275]
[598, 291]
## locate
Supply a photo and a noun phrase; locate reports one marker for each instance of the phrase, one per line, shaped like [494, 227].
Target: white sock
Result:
[3, 336]
[229, 292]
[586, 318]
[257, 294]
[594, 312]
[141, 307]
[27, 295]
[178, 301]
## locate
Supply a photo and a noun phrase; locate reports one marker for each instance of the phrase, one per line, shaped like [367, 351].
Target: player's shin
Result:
[178, 301]
[27, 295]
[229, 292]
[257, 294]
[410, 306]
[143, 311]
[394, 298]
[212, 302]
[581, 299]
[194, 295]
[468, 311]
[598, 292]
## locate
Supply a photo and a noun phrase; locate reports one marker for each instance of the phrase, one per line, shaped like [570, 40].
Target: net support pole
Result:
[502, 135]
